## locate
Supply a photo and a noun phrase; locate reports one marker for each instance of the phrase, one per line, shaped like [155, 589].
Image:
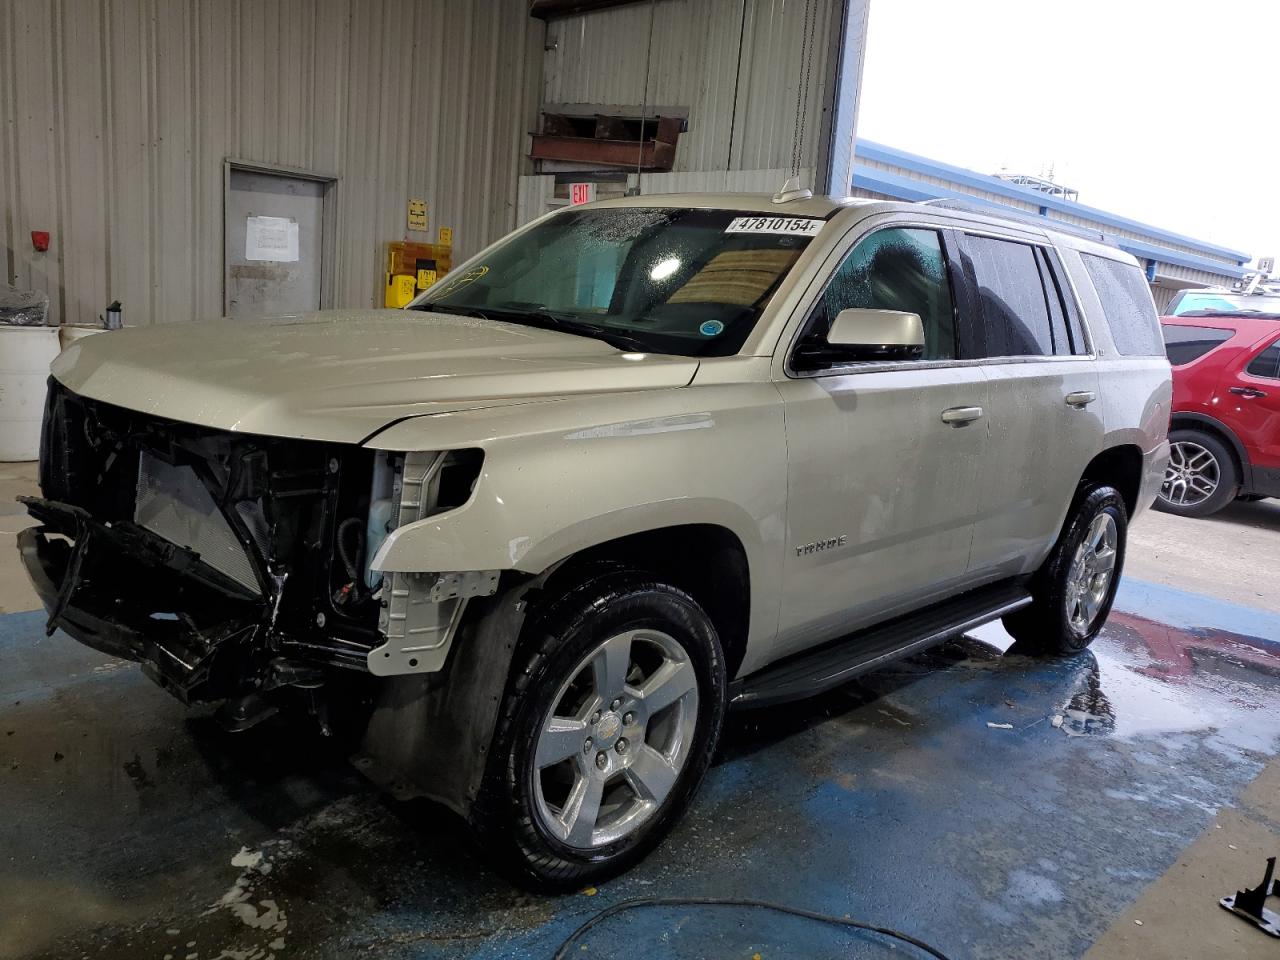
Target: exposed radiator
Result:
[173, 503]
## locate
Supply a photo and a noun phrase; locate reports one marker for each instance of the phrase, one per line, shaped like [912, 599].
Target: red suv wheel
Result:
[1201, 477]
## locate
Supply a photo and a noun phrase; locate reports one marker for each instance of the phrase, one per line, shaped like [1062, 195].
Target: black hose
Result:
[353, 568]
[638, 902]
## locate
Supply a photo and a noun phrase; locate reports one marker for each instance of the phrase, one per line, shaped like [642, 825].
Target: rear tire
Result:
[1201, 477]
[1074, 589]
[610, 721]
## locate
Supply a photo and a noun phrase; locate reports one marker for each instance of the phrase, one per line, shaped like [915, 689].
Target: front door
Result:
[273, 244]
[882, 490]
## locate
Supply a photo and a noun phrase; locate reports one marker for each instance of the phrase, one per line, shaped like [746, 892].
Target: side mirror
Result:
[859, 335]
[877, 329]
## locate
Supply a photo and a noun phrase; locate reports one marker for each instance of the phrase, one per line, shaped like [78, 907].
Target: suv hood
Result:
[342, 375]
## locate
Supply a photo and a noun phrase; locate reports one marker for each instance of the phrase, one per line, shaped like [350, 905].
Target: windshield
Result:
[660, 280]
[1215, 302]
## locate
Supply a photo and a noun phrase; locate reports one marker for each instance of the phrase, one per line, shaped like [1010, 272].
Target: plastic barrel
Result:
[25, 355]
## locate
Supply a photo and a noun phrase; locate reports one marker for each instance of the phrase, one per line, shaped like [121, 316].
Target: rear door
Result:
[1248, 402]
[1045, 419]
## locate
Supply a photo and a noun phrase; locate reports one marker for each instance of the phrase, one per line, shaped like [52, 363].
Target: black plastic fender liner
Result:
[430, 734]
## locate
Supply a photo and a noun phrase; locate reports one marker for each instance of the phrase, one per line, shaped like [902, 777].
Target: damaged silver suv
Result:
[638, 462]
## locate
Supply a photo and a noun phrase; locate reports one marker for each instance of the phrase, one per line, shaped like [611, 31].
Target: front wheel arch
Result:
[559, 631]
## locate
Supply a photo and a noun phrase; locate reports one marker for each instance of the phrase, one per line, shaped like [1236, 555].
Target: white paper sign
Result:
[796, 226]
[271, 238]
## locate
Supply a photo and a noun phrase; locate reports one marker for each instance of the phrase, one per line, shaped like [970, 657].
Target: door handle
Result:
[1249, 392]
[1081, 398]
[959, 416]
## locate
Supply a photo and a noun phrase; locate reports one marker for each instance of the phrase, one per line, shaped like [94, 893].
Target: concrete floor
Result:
[138, 829]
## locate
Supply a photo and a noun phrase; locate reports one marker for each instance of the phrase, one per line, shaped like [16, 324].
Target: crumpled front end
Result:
[230, 566]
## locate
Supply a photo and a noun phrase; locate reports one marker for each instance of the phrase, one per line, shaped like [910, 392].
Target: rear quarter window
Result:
[1185, 344]
[1127, 306]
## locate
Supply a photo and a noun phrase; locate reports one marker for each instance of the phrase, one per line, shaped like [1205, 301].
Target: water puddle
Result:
[1146, 678]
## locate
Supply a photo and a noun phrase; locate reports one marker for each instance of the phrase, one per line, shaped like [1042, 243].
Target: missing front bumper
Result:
[124, 591]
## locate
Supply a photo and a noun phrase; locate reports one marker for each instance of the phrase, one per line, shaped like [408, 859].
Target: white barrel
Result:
[25, 355]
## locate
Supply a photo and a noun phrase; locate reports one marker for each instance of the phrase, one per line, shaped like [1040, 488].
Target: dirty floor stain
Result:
[993, 804]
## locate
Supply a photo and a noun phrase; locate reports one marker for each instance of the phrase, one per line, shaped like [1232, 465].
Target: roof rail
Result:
[990, 209]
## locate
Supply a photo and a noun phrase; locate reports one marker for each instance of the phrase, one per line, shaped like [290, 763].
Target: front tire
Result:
[1201, 477]
[1074, 589]
[610, 721]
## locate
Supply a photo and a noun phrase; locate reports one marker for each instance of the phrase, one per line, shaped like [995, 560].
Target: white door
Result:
[274, 245]
[1044, 413]
[882, 491]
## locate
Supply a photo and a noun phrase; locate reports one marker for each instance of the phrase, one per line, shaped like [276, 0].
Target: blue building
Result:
[1173, 262]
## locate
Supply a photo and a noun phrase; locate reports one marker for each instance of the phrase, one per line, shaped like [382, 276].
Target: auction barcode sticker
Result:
[796, 226]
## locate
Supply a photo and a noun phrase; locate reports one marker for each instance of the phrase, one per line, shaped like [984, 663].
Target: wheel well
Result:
[706, 561]
[1221, 435]
[1119, 467]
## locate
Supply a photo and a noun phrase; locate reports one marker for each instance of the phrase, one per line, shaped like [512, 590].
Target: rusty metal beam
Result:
[654, 156]
[550, 9]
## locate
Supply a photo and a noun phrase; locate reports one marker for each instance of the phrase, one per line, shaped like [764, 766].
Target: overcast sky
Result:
[1142, 106]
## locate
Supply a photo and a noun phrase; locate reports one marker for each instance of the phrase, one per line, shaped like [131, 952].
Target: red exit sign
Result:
[581, 193]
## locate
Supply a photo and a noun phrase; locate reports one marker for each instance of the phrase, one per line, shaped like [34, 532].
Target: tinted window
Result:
[1015, 311]
[1127, 305]
[1079, 343]
[895, 270]
[1267, 363]
[1184, 344]
[1068, 339]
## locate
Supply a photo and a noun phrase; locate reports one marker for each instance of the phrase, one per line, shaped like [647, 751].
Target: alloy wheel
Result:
[612, 746]
[1092, 567]
[1192, 476]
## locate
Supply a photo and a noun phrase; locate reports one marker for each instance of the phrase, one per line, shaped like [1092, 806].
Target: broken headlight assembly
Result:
[419, 612]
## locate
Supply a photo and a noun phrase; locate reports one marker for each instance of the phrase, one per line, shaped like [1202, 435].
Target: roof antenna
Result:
[644, 104]
[791, 190]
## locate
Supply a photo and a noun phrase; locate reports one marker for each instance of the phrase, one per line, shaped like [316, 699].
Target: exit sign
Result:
[581, 193]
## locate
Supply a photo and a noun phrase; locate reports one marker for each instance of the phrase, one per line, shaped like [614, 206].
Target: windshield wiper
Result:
[615, 338]
[547, 320]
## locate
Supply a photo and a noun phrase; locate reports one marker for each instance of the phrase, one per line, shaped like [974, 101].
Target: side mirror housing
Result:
[858, 335]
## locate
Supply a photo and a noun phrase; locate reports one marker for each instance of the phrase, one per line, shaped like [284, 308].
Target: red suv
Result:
[1225, 432]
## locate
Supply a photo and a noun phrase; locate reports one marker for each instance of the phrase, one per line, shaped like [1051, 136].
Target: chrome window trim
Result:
[874, 366]
[847, 369]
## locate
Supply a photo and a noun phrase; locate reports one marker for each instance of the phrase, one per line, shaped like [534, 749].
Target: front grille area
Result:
[249, 518]
[174, 503]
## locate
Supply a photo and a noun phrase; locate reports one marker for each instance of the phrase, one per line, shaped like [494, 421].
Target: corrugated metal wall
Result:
[116, 117]
[735, 64]
[1162, 296]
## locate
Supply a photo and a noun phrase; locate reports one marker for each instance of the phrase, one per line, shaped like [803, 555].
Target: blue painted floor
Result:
[143, 831]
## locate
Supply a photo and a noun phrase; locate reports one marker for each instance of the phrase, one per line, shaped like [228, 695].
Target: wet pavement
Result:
[144, 831]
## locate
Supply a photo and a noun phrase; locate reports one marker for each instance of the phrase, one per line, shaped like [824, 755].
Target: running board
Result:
[814, 671]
